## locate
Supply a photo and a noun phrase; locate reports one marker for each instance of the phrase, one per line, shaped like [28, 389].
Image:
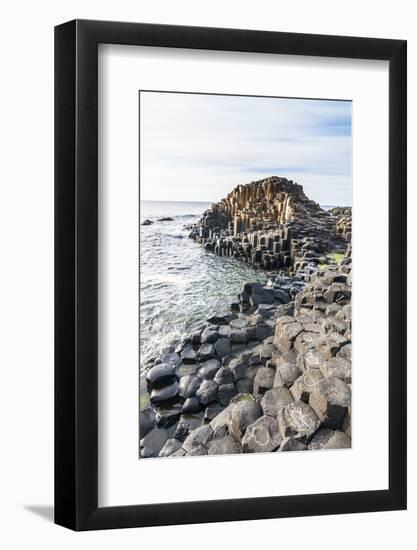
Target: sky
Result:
[198, 147]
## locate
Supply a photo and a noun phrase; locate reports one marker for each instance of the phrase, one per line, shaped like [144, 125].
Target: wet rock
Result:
[224, 376]
[274, 400]
[160, 374]
[220, 318]
[290, 444]
[262, 436]
[224, 331]
[209, 336]
[237, 336]
[191, 405]
[146, 421]
[166, 219]
[329, 439]
[207, 392]
[206, 351]
[158, 395]
[227, 445]
[198, 437]
[225, 393]
[243, 414]
[208, 370]
[186, 424]
[152, 443]
[170, 358]
[264, 380]
[188, 355]
[147, 222]
[171, 446]
[298, 420]
[223, 347]
[189, 385]
[167, 415]
[330, 400]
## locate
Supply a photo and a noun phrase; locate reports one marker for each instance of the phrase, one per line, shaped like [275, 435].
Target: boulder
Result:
[147, 222]
[298, 420]
[290, 444]
[225, 393]
[330, 400]
[152, 443]
[198, 437]
[160, 374]
[189, 355]
[191, 405]
[171, 446]
[224, 376]
[237, 336]
[212, 411]
[226, 445]
[206, 351]
[159, 395]
[146, 421]
[329, 439]
[262, 436]
[243, 413]
[208, 369]
[207, 392]
[220, 318]
[167, 414]
[286, 374]
[305, 384]
[339, 367]
[263, 381]
[274, 399]
[189, 385]
[223, 347]
[237, 368]
[170, 358]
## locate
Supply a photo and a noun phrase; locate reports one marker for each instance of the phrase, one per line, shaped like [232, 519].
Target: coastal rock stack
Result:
[271, 224]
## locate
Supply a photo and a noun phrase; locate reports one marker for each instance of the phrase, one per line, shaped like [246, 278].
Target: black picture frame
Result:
[76, 272]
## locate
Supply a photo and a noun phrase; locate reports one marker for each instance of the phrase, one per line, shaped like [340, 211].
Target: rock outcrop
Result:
[272, 224]
[272, 372]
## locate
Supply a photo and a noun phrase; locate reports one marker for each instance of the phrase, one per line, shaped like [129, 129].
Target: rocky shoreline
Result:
[273, 372]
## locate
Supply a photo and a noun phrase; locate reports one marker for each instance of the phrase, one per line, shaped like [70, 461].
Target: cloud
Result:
[198, 147]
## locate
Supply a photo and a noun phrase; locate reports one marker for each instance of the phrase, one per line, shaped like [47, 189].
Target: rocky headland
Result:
[273, 371]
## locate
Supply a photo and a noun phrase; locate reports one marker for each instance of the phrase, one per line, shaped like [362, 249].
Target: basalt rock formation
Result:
[272, 372]
[272, 224]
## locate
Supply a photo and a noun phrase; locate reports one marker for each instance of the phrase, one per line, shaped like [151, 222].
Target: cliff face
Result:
[271, 223]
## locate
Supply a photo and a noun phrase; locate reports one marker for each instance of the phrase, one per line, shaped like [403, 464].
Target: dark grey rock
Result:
[207, 392]
[274, 400]
[209, 336]
[191, 405]
[146, 421]
[290, 444]
[158, 395]
[160, 374]
[198, 437]
[170, 358]
[189, 385]
[206, 351]
[237, 368]
[245, 385]
[223, 347]
[262, 436]
[208, 370]
[152, 443]
[225, 393]
[237, 336]
[243, 413]
[167, 415]
[224, 376]
[227, 445]
[171, 446]
[188, 355]
[329, 439]
[298, 420]
[212, 411]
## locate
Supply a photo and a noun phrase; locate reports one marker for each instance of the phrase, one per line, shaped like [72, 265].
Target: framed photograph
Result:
[230, 252]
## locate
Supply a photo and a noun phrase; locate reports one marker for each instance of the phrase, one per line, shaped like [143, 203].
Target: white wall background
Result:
[26, 274]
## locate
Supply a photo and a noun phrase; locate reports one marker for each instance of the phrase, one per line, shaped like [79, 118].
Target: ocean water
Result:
[180, 283]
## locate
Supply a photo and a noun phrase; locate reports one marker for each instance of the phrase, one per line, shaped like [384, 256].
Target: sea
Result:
[180, 283]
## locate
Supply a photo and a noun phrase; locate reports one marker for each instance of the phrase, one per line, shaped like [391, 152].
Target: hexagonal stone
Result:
[290, 444]
[225, 393]
[305, 384]
[227, 445]
[262, 436]
[146, 421]
[171, 446]
[160, 374]
[152, 443]
[264, 380]
[298, 420]
[329, 439]
[188, 385]
[209, 336]
[158, 395]
[243, 413]
[208, 369]
[339, 367]
[224, 376]
[191, 405]
[237, 336]
[207, 392]
[188, 355]
[198, 437]
[237, 368]
[223, 347]
[330, 400]
[206, 351]
[274, 400]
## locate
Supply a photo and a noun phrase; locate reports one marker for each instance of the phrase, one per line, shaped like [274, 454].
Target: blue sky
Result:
[199, 147]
